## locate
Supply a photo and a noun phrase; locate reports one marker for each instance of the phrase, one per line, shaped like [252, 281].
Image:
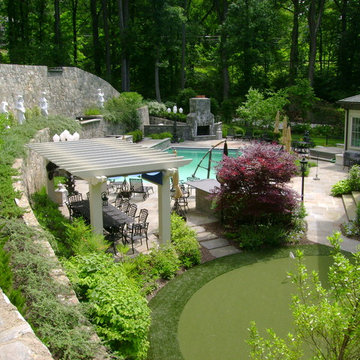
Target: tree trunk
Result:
[123, 10]
[183, 50]
[107, 41]
[74, 6]
[222, 9]
[57, 34]
[314, 19]
[157, 81]
[294, 52]
[344, 70]
[95, 36]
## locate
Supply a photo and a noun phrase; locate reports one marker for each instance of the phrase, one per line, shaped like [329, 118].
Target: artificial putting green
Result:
[169, 306]
[214, 322]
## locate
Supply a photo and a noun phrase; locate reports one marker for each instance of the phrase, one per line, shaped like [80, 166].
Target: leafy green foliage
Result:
[81, 238]
[185, 242]
[351, 183]
[94, 110]
[156, 108]
[325, 319]
[63, 328]
[162, 135]
[137, 135]
[123, 109]
[116, 305]
[164, 261]
[183, 99]
[261, 109]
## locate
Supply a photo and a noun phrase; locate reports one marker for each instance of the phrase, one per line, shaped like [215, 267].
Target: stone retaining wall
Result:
[68, 91]
[17, 339]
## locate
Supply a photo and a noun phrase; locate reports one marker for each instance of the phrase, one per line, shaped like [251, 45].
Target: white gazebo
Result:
[94, 160]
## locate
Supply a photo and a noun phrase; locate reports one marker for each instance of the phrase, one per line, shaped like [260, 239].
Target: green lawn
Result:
[320, 141]
[197, 312]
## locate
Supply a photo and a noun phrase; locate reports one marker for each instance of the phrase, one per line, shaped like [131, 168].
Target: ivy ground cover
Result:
[205, 313]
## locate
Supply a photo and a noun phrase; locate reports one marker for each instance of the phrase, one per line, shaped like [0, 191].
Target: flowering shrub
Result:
[253, 185]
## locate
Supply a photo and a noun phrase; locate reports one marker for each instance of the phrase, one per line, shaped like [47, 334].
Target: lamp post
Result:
[303, 167]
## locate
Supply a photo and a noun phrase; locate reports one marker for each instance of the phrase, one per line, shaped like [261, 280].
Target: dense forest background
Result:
[219, 48]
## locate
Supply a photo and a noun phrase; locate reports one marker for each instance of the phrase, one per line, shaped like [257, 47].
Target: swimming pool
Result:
[196, 154]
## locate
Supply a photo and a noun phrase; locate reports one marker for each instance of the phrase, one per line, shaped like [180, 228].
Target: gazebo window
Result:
[355, 132]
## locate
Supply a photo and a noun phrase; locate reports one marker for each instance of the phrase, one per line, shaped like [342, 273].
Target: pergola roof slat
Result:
[88, 158]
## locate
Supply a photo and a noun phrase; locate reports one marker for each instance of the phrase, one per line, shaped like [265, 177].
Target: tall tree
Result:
[58, 55]
[106, 40]
[315, 12]
[123, 12]
[95, 36]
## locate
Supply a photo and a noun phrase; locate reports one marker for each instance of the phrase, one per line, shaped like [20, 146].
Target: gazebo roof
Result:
[89, 158]
[350, 101]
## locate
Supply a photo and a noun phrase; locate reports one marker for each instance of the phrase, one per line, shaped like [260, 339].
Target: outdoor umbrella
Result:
[284, 131]
[225, 151]
[288, 139]
[277, 122]
[178, 193]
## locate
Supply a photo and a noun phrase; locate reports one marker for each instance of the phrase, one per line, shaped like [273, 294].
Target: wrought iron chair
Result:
[142, 217]
[135, 232]
[74, 198]
[115, 234]
[132, 211]
[137, 187]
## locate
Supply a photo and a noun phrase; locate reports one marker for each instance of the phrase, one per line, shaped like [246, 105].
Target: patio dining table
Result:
[113, 218]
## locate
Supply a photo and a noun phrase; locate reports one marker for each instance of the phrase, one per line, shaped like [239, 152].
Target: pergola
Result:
[94, 160]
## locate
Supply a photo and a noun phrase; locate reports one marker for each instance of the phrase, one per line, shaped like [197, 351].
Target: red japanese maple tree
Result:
[254, 184]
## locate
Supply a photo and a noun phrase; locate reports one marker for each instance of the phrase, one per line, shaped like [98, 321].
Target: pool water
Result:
[196, 155]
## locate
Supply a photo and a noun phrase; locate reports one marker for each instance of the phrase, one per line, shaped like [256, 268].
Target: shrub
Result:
[346, 186]
[63, 328]
[163, 135]
[253, 185]
[123, 109]
[164, 261]
[94, 110]
[185, 242]
[252, 237]
[137, 135]
[82, 240]
[156, 108]
[183, 99]
[116, 307]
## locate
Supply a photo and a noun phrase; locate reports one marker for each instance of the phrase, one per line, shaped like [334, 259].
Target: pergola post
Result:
[96, 217]
[164, 208]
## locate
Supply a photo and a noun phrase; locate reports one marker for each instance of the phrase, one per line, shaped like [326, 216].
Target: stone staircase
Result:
[351, 202]
[217, 246]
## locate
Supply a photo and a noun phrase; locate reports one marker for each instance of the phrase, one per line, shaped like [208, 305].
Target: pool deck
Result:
[325, 213]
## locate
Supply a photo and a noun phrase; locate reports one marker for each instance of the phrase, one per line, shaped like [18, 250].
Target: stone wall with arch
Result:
[69, 90]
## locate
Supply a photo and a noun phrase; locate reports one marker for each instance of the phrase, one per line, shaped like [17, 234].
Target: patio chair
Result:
[132, 211]
[122, 204]
[183, 201]
[114, 235]
[137, 187]
[135, 232]
[74, 198]
[142, 217]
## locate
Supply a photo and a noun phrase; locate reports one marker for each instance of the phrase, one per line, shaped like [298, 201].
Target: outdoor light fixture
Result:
[303, 167]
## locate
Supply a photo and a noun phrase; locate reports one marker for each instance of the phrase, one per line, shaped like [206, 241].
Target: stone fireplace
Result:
[201, 120]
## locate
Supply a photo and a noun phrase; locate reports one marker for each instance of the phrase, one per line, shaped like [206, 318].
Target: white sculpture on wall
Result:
[100, 98]
[4, 109]
[43, 105]
[20, 109]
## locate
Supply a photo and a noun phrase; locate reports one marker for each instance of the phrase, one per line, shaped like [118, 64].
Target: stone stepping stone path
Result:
[217, 246]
